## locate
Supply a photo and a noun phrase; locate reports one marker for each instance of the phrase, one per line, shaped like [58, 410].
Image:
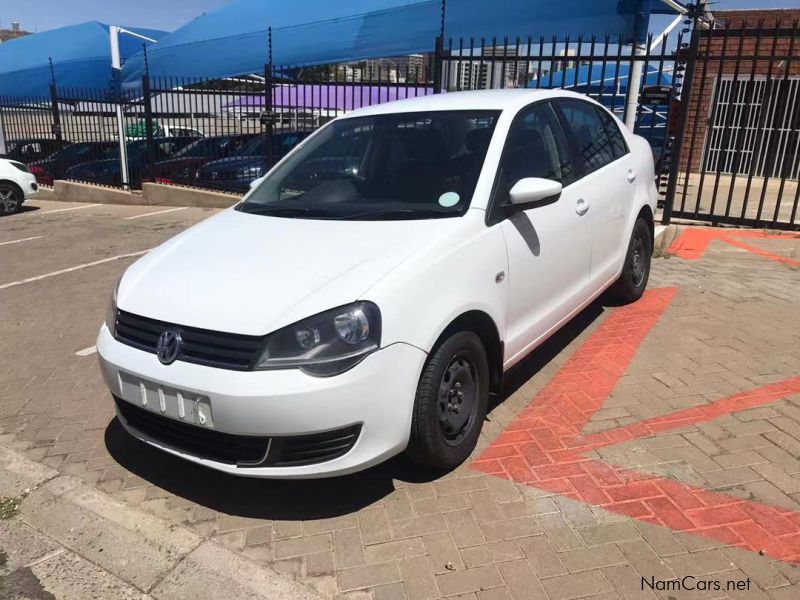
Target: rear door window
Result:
[595, 143]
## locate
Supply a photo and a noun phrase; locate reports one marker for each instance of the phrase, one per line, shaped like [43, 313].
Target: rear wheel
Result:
[10, 198]
[452, 397]
[636, 271]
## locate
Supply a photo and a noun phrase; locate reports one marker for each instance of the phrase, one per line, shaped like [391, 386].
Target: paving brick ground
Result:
[679, 456]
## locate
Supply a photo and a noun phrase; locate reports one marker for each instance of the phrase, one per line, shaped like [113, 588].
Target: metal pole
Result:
[437, 64]
[148, 125]
[116, 66]
[637, 66]
[56, 130]
[677, 145]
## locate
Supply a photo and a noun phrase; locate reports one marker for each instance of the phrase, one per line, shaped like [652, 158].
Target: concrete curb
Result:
[105, 540]
[664, 236]
[155, 194]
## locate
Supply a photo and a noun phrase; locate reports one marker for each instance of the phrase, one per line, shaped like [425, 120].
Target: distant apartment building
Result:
[15, 32]
[491, 67]
[396, 69]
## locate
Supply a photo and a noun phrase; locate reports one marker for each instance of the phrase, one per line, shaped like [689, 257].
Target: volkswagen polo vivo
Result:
[367, 295]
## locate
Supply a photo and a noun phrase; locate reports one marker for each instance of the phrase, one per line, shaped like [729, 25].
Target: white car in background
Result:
[367, 295]
[17, 184]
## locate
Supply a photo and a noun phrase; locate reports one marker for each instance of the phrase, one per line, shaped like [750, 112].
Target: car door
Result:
[605, 161]
[548, 245]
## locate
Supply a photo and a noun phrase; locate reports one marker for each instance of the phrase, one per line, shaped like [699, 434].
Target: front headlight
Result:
[325, 344]
[111, 315]
[22, 167]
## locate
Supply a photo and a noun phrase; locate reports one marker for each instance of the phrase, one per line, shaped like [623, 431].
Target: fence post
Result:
[438, 58]
[56, 129]
[677, 144]
[268, 114]
[148, 125]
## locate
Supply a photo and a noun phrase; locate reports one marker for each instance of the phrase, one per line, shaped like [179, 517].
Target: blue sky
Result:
[38, 15]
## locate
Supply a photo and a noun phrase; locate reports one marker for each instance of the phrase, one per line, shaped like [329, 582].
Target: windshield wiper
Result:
[287, 211]
[390, 213]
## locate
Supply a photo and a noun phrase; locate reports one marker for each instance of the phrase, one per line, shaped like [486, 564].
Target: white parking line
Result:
[58, 210]
[28, 239]
[158, 212]
[70, 269]
[86, 351]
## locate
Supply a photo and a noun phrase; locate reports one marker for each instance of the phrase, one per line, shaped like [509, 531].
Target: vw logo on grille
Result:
[168, 346]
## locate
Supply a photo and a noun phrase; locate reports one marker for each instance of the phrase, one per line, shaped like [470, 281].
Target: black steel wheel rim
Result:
[457, 402]
[8, 199]
[638, 261]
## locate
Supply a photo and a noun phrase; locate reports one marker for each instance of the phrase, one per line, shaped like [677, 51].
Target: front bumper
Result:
[377, 394]
[29, 185]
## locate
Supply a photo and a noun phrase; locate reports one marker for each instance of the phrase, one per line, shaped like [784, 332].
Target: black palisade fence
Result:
[719, 105]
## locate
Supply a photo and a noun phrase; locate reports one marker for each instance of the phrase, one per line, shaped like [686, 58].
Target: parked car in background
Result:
[250, 163]
[366, 296]
[107, 171]
[56, 165]
[17, 184]
[138, 131]
[181, 168]
[29, 150]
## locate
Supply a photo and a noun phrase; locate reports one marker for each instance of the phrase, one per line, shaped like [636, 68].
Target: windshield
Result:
[281, 144]
[390, 166]
[206, 147]
[84, 149]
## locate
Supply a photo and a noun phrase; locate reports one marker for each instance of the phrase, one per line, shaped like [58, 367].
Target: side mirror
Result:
[534, 191]
[256, 182]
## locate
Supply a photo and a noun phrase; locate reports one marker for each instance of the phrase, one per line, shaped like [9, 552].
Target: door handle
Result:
[631, 176]
[581, 206]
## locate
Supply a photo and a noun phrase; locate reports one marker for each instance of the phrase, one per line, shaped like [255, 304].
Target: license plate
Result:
[180, 405]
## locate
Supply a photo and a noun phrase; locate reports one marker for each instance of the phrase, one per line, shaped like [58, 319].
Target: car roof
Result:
[507, 99]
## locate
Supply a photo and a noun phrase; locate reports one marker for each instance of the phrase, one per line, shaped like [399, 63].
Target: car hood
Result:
[252, 274]
[106, 165]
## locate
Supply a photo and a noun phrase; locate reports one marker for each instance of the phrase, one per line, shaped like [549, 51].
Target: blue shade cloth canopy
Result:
[599, 77]
[81, 57]
[233, 39]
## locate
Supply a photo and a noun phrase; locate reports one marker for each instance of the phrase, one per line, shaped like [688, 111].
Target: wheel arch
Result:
[480, 323]
[646, 213]
[13, 183]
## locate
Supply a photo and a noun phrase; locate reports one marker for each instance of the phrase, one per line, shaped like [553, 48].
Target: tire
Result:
[451, 402]
[11, 198]
[636, 271]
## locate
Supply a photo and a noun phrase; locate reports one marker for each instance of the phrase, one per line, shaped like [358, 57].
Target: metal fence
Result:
[222, 134]
[598, 67]
[737, 159]
[218, 134]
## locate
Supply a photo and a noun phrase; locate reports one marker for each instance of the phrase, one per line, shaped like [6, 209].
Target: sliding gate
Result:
[736, 155]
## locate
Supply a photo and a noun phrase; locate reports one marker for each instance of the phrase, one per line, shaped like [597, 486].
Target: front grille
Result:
[200, 346]
[241, 450]
[197, 441]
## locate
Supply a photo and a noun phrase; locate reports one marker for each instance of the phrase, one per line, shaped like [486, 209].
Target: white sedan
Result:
[17, 184]
[367, 295]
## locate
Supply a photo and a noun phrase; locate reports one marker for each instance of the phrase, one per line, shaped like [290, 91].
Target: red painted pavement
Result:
[692, 243]
[543, 446]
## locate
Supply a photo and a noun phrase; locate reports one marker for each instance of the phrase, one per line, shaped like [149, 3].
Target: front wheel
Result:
[10, 198]
[451, 402]
[636, 271]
